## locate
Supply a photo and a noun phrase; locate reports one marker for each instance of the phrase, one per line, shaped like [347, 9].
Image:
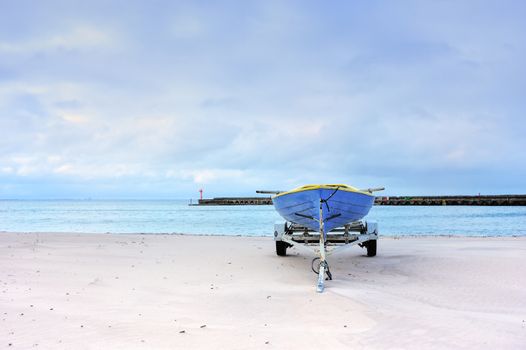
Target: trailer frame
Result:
[363, 233]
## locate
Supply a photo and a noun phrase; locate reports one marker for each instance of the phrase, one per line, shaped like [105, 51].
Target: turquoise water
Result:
[178, 217]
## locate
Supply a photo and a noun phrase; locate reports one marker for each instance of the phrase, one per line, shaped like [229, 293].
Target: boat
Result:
[323, 208]
[336, 204]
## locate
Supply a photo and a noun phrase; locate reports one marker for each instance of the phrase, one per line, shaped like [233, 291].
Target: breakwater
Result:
[490, 200]
[494, 200]
[235, 201]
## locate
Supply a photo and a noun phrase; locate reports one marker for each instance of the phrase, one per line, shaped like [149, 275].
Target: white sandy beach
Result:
[108, 291]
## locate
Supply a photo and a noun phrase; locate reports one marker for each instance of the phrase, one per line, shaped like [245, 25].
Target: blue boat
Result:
[337, 204]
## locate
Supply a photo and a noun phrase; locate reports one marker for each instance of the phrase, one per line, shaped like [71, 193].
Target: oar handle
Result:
[269, 192]
[374, 189]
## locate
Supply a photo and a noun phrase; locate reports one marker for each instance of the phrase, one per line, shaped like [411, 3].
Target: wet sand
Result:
[108, 291]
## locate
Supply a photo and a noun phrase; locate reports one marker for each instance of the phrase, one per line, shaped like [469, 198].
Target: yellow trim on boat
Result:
[340, 187]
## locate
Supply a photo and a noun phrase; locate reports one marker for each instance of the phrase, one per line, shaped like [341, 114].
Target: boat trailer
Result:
[362, 233]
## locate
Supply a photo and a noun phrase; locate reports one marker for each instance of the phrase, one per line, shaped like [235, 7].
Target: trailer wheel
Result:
[371, 247]
[281, 248]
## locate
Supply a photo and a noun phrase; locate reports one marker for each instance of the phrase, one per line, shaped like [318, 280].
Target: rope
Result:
[327, 270]
[327, 199]
[312, 266]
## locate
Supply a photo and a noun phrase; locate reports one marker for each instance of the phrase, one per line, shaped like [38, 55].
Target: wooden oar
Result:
[375, 189]
[269, 192]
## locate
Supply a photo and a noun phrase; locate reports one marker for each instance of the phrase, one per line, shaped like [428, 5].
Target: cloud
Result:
[77, 38]
[152, 100]
[206, 176]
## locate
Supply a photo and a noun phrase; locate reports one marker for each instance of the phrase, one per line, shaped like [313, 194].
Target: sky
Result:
[157, 99]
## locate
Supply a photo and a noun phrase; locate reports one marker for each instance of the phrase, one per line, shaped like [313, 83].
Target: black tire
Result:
[371, 247]
[281, 248]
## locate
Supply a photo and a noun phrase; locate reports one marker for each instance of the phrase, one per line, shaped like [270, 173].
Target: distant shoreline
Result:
[450, 200]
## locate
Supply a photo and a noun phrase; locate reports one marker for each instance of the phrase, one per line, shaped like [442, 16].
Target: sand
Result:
[108, 291]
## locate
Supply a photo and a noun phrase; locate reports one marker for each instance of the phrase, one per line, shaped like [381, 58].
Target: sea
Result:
[177, 216]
